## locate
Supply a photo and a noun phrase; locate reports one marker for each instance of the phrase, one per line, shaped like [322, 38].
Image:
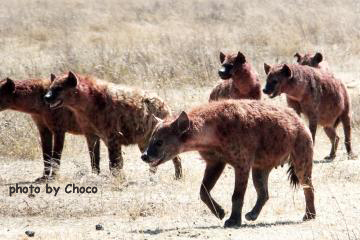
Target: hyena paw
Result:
[352, 156]
[231, 222]
[178, 174]
[251, 216]
[44, 178]
[308, 216]
[330, 157]
[220, 213]
[153, 170]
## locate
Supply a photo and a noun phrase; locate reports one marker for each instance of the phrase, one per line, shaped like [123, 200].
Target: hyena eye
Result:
[158, 143]
[274, 80]
[57, 89]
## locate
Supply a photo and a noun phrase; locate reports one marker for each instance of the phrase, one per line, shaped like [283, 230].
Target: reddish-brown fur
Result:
[248, 135]
[243, 84]
[118, 115]
[317, 94]
[313, 60]
[27, 96]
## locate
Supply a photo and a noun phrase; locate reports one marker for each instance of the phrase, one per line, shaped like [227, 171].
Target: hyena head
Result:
[7, 89]
[62, 90]
[277, 77]
[166, 140]
[231, 64]
[309, 59]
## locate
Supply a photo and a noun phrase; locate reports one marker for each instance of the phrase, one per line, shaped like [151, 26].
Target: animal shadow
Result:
[188, 229]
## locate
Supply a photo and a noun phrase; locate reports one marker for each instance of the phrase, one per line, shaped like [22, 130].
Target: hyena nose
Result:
[48, 97]
[145, 157]
[266, 91]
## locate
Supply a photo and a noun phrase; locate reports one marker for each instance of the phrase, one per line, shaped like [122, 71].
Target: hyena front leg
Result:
[178, 168]
[334, 138]
[46, 146]
[294, 105]
[213, 170]
[260, 179]
[241, 179]
[59, 138]
[93, 143]
[115, 156]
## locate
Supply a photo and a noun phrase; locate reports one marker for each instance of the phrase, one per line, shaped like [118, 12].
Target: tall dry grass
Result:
[170, 46]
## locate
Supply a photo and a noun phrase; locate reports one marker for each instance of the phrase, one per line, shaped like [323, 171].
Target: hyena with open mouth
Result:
[250, 136]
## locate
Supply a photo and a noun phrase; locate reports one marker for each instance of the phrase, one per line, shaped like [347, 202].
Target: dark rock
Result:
[99, 227]
[30, 233]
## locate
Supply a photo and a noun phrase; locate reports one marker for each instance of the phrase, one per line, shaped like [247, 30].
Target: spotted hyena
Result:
[28, 96]
[240, 81]
[312, 60]
[248, 135]
[118, 115]
[317, 94]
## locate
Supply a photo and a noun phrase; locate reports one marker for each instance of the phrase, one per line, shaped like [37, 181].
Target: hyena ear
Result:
[182, 123]
[240, 58]
[156, 119]
[72, 79]
[52, 77]
[9, 85]
[298, 56]
[222, 57]
[286, 71]
[267, 68]
[318, 57]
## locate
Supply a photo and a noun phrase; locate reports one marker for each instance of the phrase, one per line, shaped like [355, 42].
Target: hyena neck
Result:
[245, 79]
[28, 99]
[200, 137]
[301, 79]
[88, 100]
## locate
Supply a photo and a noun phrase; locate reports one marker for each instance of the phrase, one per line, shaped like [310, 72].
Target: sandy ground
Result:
[147, 206]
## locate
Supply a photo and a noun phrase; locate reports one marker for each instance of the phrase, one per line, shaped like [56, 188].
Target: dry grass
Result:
[172, 48]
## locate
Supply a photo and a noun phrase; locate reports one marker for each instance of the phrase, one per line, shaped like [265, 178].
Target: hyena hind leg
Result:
[334, 139]
[346, 121]
[115, 156]
[301, 161]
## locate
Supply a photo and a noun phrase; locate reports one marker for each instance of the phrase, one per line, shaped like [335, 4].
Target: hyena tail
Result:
[294, 180]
